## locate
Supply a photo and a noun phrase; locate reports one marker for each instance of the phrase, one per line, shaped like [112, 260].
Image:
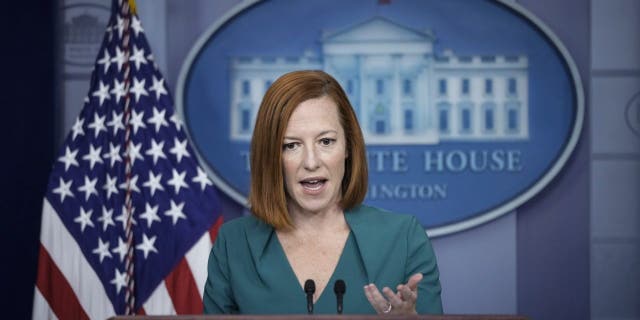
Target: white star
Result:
[202, 179]
[102, 93]
[156, 150]
[118, 90]
[176, 120]
[119, 58]
[120, 279]
[77, 128]
[153, 183]
[158, 119]
[120, 26]
[136, 121]
[177, 181]
[69, 158]
[147, 245]
[110, 186]
[175, 212]
[122, 218]
[64, 189]
[93, 156]
[84, 219]
[98, 124]
[89, 187]
[106, 61]
[102, 250]
[133, 184]
[138, 57]
[158, 87]
[121, 249]
[106, 218]
[134, 152]
[150, 214]
[136, 26]
[114, 154]
[179, 149]
[138, 88]
[116, 122]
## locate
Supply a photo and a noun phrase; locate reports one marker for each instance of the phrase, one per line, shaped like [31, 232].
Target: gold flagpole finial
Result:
[132, 6]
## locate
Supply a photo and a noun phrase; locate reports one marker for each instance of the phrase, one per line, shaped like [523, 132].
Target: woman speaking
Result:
[310, 245]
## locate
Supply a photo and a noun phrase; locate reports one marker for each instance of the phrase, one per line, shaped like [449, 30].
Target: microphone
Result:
[309, 289]
[339, 288]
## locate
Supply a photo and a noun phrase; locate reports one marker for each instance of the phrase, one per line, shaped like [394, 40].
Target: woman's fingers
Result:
[401, 302]
[413, 281]
[407, 294]
[392, 297]
[377, 301]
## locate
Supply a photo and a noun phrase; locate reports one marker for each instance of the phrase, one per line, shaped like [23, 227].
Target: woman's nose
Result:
[311, 160]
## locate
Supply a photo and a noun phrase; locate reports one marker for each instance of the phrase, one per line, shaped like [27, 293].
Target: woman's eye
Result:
[326, 141]
[289, 146]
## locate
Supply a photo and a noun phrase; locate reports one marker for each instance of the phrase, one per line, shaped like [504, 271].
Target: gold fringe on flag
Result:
[132, 6]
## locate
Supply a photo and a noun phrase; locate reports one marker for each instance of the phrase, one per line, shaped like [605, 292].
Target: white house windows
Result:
[408, 105]
[512, 88]
[245, 116]
[444, 109]
[488, 87]
[379, 87]
[246, 88]
[466, 117]
[407, 87]
[488, 116]
[442, 87]
[408, 120]
[380, 119]
[512, 109]
[465, 87]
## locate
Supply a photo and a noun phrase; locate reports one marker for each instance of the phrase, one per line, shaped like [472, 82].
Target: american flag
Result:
[129, 216]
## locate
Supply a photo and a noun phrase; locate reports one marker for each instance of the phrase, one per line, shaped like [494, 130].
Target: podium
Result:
[323, 317]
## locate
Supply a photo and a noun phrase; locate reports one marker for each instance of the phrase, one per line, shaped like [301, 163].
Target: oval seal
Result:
[469, 108]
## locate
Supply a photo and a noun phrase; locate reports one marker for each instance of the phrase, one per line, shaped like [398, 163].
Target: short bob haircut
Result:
[267, 197]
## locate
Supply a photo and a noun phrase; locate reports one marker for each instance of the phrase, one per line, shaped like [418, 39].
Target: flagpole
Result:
[126, 11]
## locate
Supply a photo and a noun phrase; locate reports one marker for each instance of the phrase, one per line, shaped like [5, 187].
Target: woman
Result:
[308, 180]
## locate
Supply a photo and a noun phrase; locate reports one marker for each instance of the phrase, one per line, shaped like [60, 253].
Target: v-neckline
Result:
[294, 278]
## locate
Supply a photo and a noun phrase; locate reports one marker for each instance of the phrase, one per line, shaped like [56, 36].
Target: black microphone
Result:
[309, 289]
[339, 288]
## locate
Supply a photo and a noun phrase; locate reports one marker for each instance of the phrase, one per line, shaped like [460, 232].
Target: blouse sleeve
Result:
[218, 297]
[422, 259]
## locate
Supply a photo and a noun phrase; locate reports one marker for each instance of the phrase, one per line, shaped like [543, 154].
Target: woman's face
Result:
[313, 156]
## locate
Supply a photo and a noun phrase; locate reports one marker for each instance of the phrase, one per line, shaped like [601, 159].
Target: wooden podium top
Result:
[323, 317]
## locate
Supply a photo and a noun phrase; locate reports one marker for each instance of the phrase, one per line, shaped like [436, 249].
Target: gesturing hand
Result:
[401, 302]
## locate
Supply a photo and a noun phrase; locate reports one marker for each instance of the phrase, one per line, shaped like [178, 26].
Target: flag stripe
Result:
[197, 258]
[141, 312]
[183, 290]
[41, 309]
[159, 302]
[57, 292]
[213, 231]
[67, 256]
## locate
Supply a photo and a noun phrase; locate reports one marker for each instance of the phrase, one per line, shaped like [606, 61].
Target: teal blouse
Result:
[250, 274]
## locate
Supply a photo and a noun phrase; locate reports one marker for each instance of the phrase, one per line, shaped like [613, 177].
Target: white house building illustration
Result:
[402, 91]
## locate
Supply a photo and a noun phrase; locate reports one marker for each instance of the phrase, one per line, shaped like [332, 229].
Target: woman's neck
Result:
[331, 220]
